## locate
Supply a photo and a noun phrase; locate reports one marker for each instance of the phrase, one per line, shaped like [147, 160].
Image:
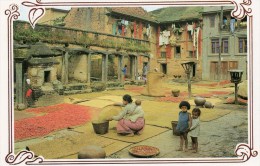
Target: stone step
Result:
[70, 92]
[75, 87]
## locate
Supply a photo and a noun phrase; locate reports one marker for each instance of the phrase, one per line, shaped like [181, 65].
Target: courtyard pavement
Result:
[222, 128]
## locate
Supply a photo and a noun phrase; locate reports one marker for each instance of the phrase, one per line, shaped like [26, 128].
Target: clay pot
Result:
[208, 105]
[199, 101]
[176, 92]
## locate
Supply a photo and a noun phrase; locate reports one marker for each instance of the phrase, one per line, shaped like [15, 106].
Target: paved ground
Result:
[218, 138]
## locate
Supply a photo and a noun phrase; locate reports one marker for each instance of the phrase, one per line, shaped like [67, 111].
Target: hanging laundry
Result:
[197, 47]
[114, 28]
[164, 37]
[190, 28]
[173, 26]
[173, 40]
[194, 39]
[232, 25]
[148, 30]
[160, 39]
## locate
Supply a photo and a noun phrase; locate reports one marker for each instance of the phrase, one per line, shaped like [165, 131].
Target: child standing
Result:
[124, 70]
[184, 123]
[195, 129]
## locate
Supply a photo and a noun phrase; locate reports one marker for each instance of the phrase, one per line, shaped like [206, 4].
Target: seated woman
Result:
[131, 118]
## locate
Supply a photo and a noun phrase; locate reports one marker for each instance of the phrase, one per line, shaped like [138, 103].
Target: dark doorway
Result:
[164, 68]
[194, 70]
[47, 75]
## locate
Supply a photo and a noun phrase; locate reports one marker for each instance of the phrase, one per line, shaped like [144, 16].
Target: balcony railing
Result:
[61, 35]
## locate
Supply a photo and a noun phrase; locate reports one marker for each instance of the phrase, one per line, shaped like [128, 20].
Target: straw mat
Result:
[149, 131]
[69, 146]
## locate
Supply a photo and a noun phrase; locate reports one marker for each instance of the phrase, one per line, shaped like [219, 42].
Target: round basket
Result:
[100, 127]
[144, 151]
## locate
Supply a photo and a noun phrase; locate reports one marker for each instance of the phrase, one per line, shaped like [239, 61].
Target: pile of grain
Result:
[154, 85]
[107, 113]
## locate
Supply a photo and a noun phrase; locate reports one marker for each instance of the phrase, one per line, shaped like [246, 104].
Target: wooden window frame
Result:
[243, 42]
[215, 46]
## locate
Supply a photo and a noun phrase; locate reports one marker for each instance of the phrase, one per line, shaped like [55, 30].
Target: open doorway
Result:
[47, 76]
[164, 68]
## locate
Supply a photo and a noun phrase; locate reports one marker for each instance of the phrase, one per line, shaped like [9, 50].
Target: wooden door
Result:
[213, 70]
[224, 71]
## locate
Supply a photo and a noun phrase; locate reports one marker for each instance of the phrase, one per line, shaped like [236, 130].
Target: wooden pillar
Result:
[65, 69]
[136, 67]
[88, 68]
[103, 68]
[119, 69]
[19, 82]
[106, 67]
[148, 65]
[132, 68]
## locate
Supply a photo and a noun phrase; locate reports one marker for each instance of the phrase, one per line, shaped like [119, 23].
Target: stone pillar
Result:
[65, 69]
[89, 68]
[19, 82]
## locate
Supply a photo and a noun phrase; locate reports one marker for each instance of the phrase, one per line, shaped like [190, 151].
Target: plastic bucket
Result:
[174, 124]
[100, 127]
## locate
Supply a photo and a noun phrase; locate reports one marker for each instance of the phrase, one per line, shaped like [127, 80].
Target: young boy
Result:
[183, 125]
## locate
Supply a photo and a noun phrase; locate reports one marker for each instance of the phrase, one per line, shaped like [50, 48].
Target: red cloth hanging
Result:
[29, 93]
[168, 51]
[157, 42]
[123, 30]
[135, 33]
[200, 41]
[140, 30]
[140, 60]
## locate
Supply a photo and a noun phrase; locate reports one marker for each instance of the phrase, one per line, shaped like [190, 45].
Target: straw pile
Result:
[108, 112]
[154, 85]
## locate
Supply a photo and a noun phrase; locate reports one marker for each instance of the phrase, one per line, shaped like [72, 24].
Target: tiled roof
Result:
[171, 14]
[137, 12]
